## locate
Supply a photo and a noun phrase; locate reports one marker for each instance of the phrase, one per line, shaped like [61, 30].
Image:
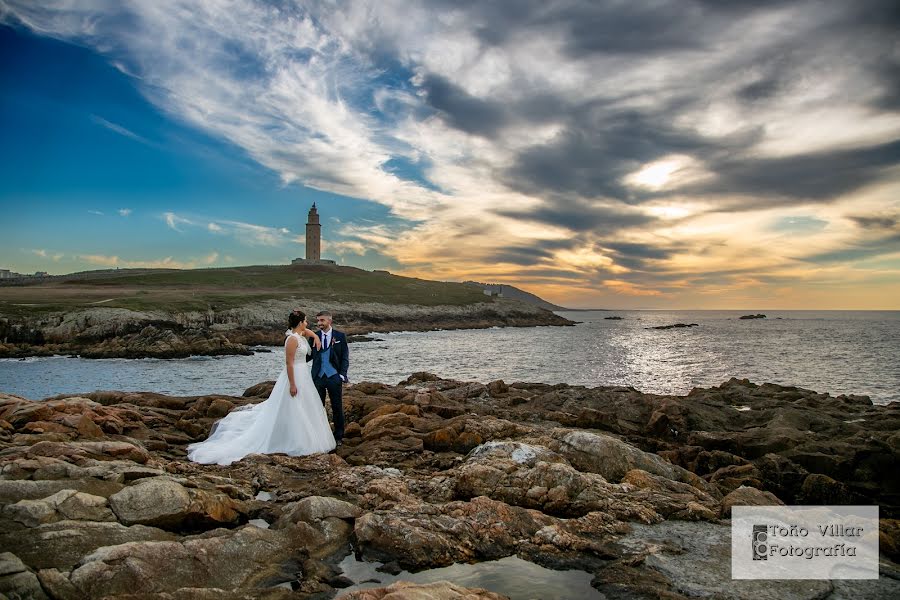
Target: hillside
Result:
[514, 293]
[166, 313]
[203, 289]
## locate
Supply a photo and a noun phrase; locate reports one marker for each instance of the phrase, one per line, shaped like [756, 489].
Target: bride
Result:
[292, 420]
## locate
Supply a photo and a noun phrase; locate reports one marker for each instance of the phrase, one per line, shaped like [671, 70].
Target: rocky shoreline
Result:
[122, 333]
[98, 500]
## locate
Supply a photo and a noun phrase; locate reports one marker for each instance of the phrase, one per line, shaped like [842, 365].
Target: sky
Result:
[643, 154]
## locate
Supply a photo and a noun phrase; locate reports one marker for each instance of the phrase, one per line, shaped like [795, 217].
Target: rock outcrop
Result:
[105, 332]
[97, 498]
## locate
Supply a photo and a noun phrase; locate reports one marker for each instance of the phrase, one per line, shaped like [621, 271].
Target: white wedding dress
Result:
[295, 425]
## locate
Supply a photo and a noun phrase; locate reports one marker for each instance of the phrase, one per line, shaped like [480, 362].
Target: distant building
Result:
[7, 274]
[313, 241]
[42, 274]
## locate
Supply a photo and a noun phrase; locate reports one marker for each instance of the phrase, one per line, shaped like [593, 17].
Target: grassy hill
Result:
[222, 288]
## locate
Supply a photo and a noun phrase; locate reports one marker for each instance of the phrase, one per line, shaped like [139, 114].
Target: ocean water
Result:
[839, 352]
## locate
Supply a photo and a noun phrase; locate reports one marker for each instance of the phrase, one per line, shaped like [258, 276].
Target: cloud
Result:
[247, 233]
[96, 212]
[163, 263]
[120, 130]
[652, 143]
[124, 212]
[174, 221]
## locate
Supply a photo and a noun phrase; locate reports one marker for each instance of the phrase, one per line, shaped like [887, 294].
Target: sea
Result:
[838, 352]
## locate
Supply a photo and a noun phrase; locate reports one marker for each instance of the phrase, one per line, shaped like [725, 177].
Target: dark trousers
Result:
[335, 389]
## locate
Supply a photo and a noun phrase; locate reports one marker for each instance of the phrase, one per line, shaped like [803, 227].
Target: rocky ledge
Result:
[122, 333]
[97, 499]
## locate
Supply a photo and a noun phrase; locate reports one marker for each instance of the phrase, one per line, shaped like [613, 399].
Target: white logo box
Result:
[804, 542]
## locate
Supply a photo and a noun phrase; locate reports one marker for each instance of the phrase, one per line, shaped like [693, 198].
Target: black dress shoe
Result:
[339, 443]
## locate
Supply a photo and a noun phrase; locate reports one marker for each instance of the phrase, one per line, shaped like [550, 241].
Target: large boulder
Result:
[18, 582]
[162, 502]
[612, 458]
[13, 490]
[61, 545]
[748, 496]
[65, 505]
[420, 536]
[248, 557]
[329, 516]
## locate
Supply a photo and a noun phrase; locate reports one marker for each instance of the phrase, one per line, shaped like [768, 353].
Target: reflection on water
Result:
[512, 576]
[852, 352]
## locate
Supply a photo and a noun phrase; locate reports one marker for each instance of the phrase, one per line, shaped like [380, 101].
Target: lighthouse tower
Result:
[313, 235]
[313, 241]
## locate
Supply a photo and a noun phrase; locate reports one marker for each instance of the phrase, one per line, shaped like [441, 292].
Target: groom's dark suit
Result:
[329, 375]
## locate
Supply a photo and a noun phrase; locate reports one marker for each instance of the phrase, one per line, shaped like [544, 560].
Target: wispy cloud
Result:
[163, 263]
[120, 130]
[174, 221]
[124, 212]
[96, 212]
[247, 233]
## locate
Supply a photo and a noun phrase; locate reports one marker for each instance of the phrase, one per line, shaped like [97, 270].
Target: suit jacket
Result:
[340, 354]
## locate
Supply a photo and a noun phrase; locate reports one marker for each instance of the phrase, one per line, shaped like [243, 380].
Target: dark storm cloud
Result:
[596, 27]
[462, 110]
[599, 142]
[581, 216]
[596, 151]
[821, 176]
[874, 248]
[519, 256]
[536, 252]
[876, 221]
[639, 257]
[887, 73]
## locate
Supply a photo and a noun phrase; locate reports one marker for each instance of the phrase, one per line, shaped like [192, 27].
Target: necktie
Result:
[325, 345]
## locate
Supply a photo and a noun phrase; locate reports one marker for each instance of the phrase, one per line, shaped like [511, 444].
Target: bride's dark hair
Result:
[295, 318]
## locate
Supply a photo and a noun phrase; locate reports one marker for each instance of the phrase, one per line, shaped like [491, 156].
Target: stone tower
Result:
[313, 235]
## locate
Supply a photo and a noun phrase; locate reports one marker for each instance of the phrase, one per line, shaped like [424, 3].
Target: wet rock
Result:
[420, 536]
[695, 561]
[439, 590]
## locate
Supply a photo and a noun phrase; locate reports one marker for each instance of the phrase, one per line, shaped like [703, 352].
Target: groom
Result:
[329, 369]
